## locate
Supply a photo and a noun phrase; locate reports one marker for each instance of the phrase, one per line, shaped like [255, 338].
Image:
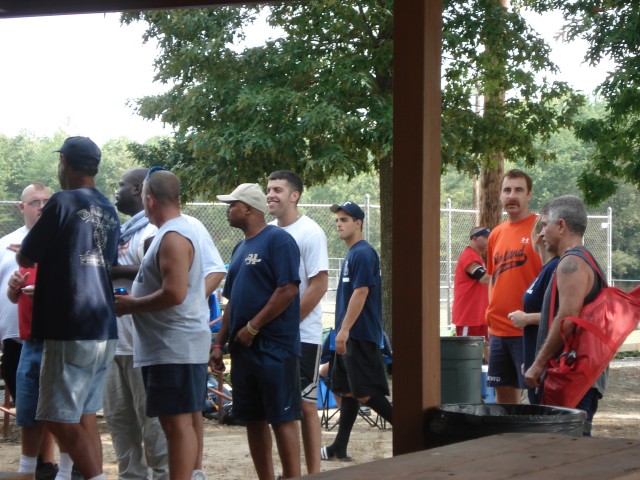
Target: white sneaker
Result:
[198, 475]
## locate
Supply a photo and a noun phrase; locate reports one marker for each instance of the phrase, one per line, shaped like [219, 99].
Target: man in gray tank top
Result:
[169, 308]
[564, 221]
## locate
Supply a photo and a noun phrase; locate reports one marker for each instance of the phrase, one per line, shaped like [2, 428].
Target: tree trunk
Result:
[386, 244]
[491, 175]
[490, 207]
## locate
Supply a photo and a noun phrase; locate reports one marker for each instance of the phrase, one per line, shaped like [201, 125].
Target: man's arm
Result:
[316, 288]
[175, 256]
[212, 281]
[356, 304]
[127, 272]
[216, 352]
[574, 280]
[278, 302]
[24, 262]
[478, 272]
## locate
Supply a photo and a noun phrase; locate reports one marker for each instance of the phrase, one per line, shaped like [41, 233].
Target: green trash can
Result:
[461, 369]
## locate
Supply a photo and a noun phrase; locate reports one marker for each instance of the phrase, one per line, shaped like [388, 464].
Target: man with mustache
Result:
[513, 264]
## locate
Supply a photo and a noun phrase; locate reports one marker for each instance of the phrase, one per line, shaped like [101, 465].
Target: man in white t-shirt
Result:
[284, 189]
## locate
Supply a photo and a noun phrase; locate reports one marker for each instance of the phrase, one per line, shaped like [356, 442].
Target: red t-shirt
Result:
[513, 264]
[25, 305]
[470, 297]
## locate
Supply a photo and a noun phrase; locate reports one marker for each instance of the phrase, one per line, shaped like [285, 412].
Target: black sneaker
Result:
[46, 471]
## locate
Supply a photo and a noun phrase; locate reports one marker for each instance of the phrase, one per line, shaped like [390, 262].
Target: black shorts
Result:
[9, 367]
[266, 383]
[173, 389]
[309, 364]
[361, 371]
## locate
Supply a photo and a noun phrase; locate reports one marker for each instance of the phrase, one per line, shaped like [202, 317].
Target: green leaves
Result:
[492, 99]
[316, 100]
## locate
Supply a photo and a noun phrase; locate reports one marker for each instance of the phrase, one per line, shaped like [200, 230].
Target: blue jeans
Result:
[589, 404]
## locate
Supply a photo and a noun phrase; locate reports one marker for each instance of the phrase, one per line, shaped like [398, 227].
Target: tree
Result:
[610, 28]
[491, 53]
[317, 99]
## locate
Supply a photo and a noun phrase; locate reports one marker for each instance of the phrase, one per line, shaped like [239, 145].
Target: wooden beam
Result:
[30, 8]
[416, 232]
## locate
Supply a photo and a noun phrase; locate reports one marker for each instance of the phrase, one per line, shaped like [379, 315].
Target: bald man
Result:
[33, 198]
[170, 317]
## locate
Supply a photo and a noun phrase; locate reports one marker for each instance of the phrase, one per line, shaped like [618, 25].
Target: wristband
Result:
[218, 346]
[252, 330]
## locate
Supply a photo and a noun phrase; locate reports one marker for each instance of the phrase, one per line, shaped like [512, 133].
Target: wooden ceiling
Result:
[30, 8]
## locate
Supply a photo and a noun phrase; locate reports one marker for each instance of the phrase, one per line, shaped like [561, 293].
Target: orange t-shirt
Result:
[513, 264]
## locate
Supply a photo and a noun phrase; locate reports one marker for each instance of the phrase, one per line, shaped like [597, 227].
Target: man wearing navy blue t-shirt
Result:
[261, 322]
[75, 244]
[359, 371]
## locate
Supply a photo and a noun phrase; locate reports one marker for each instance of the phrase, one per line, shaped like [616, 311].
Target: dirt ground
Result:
[227, 454]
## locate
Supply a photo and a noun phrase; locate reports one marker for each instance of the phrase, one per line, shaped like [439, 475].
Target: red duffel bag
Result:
[602, 327]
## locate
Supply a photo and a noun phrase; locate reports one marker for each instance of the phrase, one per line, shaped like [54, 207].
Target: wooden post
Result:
[416, 219]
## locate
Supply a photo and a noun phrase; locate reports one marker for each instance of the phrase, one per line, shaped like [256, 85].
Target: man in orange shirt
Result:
[513, 264]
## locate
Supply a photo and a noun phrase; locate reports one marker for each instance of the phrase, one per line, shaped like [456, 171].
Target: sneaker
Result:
[46, 471]
[198, 475]
[366, 411]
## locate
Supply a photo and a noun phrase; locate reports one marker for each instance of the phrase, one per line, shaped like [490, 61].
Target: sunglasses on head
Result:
[151, 171]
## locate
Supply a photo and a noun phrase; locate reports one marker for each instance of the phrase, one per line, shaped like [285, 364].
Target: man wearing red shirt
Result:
[470, 287]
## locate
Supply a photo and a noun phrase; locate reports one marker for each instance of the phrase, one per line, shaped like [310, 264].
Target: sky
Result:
[77, 73]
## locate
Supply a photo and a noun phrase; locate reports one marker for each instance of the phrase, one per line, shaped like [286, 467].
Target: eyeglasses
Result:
[37, 203]
[153, 170]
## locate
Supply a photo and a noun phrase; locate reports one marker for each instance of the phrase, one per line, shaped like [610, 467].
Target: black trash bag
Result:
[228, 418]
[455, 423]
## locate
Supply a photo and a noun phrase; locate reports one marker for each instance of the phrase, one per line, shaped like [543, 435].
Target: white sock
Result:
[64, 467]
[99, 477]
[27, 464]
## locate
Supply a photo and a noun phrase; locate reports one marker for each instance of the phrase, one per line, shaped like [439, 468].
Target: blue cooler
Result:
[488, 393]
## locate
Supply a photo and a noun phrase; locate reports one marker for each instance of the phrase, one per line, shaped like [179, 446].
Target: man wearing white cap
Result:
[261, 324]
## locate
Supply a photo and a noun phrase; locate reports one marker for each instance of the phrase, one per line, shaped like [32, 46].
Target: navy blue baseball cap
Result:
[81, 150]
[351, 208]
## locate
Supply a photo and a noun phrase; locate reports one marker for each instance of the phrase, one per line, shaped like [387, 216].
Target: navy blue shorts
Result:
[505, 362]
[173, 389]
[266, 383]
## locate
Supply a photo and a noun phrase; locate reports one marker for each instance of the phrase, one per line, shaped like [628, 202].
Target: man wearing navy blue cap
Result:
[74, 243]
[359, 370]
[471, 287]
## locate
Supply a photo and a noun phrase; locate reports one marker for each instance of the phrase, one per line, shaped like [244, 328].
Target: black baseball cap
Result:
[81, 150]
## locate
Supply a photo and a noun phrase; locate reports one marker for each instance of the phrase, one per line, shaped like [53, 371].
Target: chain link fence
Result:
[455, 224]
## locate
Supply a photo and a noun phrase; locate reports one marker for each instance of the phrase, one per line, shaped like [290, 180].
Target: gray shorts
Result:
[72, 378]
